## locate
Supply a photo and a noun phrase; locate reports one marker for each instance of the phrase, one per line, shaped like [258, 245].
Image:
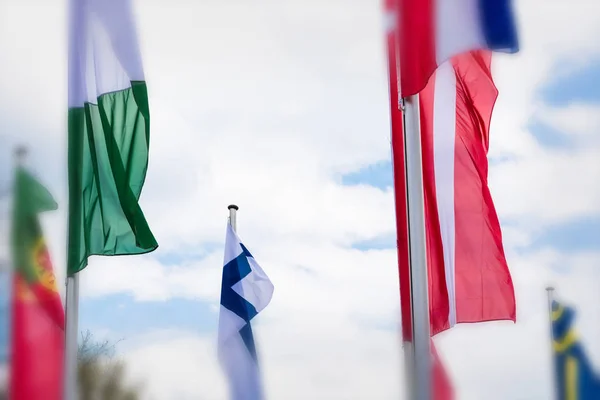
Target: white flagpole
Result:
[71, 327]
[70, 389]
[550, 291]
[419, 355]
[232, 216]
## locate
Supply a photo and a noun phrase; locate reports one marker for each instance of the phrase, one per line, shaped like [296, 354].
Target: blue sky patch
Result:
[580, 86]
[378, 175]
[548, 136]
[378, 243]
[186, 255]
[571, 237]
[126, 317]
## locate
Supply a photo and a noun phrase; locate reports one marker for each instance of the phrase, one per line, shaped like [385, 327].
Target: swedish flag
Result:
[574, 375]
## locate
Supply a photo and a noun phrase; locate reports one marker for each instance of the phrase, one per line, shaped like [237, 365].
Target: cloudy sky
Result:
[281, 107]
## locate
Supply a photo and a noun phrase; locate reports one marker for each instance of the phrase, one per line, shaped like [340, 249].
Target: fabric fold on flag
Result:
[245, 291]
[433, 31]
[109, 133]
[37, 326]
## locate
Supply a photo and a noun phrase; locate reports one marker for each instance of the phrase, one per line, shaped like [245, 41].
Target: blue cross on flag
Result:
[245, 291]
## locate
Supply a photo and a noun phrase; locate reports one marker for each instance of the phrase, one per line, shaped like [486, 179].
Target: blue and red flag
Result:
[431, 32]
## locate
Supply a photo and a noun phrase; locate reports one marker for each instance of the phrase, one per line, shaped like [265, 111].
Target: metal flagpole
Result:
[419, 351]
[72, 317]
[550, 291]
[232, 216]
[77, 19]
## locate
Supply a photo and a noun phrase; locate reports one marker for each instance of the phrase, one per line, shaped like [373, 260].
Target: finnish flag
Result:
[245, 291]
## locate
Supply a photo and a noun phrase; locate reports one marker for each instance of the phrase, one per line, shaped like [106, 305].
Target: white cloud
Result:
[266, 105]
[323, 354]
[548, 187]
[299, 362]
[581, 120]
[175, 365]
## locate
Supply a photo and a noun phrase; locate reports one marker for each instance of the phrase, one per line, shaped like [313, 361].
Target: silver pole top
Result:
[232, 215]
[549, 289]
[20, 154]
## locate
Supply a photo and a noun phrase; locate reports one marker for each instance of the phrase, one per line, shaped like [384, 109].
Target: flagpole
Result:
[550, 291]
[77, 19]
[9, 271]
[232, 216]
[419, 373]
[72, 316]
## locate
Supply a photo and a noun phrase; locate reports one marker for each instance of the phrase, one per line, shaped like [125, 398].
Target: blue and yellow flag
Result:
[575, 377]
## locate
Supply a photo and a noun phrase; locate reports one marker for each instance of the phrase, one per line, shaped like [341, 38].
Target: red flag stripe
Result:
[484, 287]
[439, 305]
[416, 43]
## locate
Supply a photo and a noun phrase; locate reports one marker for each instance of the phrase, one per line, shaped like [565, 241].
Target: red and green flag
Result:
[37, 326]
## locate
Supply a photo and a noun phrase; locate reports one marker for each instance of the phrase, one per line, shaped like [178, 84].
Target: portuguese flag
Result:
[37, 314]
[109, 133]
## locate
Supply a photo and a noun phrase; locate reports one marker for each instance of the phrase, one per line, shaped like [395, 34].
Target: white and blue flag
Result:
[245, 291]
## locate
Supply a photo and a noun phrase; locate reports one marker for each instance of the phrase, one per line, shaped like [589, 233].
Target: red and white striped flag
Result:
[468, 273]
[469, 280]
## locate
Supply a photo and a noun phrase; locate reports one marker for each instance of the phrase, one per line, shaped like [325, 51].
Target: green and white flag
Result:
[109, 132]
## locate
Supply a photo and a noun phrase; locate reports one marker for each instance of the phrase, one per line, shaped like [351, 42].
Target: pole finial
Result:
[549, 289]
[233, 207]
[20, 154]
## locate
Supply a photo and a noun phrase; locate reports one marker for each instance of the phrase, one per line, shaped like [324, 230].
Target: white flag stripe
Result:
[444, 136]
[104, 40]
